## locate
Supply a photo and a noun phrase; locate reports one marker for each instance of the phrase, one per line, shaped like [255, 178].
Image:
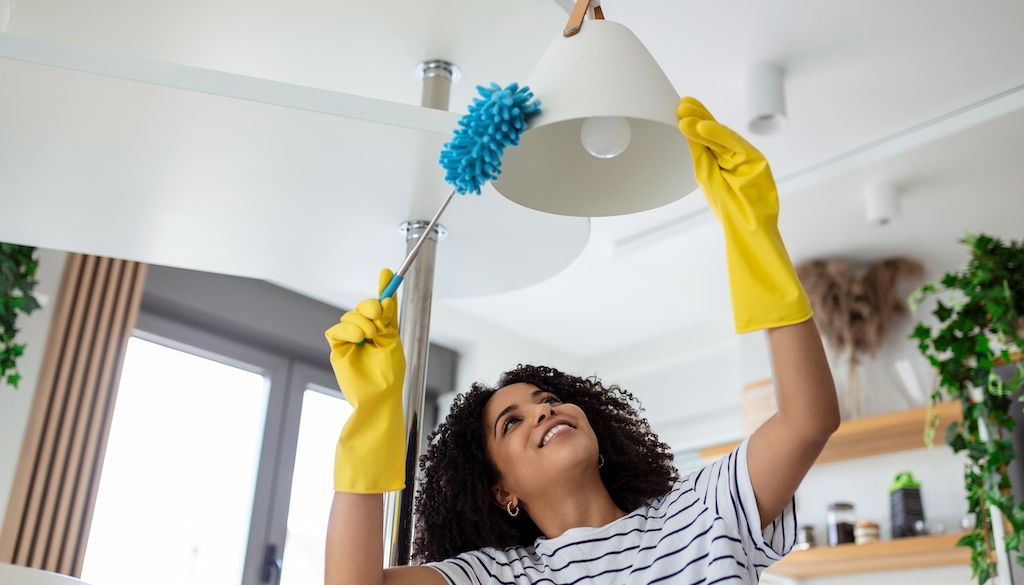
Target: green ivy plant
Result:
[979, 330]
[17, 281]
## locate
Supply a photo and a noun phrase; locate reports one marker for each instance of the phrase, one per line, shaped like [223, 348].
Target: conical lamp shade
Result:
[603, 71]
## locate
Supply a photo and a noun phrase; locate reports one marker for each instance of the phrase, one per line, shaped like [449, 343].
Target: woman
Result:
[550, 478]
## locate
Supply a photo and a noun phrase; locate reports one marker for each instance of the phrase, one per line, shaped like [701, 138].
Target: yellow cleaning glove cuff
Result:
[370, 457]
[740, 190]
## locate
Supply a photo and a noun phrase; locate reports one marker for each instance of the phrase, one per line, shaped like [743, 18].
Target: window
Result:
[312, 483]
[176, 493]
[219, 463]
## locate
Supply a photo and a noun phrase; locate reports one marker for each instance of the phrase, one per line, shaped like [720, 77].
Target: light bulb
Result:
[605, 136]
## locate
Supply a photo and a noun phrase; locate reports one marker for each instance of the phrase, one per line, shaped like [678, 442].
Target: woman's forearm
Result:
[355, 552]
[355, 546]
[785, 447]
[804, 389]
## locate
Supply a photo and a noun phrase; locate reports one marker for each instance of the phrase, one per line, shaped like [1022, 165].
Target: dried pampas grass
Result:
[855, 312]
[883, 280]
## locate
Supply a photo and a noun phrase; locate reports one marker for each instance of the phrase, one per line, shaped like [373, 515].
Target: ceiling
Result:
[606, 301]
[902, 92]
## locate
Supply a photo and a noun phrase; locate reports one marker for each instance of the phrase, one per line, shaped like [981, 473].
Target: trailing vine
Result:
[980, 316]
[17, 281]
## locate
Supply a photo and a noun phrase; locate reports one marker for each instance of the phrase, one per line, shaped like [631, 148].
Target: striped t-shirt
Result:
[705, 530]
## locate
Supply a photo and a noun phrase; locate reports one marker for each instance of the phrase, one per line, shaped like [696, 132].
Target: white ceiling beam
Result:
[905, 140]
[231, 85]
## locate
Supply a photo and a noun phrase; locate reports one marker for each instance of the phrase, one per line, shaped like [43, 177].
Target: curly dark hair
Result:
[455, 508]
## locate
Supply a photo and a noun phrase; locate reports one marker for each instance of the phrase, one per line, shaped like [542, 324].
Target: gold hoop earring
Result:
[600, 461]
[508, 508]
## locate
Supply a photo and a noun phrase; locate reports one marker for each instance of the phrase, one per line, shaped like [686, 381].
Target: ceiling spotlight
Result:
[882, 203]
[767, 99]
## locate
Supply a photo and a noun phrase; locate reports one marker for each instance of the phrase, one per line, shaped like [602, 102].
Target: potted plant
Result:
[978, 327]
[17, 281]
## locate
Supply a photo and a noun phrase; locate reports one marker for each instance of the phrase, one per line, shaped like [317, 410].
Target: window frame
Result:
[276, 370]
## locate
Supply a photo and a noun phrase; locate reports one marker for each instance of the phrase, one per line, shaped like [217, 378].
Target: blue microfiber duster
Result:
[495, 121]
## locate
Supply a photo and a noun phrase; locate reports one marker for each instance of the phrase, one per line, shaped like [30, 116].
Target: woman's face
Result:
[534, 439]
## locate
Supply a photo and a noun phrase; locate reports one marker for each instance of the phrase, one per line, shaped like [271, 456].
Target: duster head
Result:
[495, 121]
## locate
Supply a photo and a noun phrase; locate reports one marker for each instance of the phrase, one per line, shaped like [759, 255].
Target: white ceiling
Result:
[350, 46]
[616, 295]
[193, 180]
[857, 75]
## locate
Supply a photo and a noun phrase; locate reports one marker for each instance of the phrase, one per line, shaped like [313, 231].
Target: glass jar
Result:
[804, 538]
[841, 522]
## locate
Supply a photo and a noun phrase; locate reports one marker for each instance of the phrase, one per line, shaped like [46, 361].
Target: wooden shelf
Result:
[874, 435]
[889, 555]
[1015, 357]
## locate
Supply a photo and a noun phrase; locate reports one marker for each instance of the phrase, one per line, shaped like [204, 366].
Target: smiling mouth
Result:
[557, 431]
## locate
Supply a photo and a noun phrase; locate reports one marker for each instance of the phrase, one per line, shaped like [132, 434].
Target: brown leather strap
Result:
[575, 22]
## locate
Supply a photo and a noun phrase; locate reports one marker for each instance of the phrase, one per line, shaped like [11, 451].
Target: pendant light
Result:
[606, 141]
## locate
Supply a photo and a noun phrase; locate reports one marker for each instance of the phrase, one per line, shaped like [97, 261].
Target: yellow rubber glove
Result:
[370, 458]
[740, 190]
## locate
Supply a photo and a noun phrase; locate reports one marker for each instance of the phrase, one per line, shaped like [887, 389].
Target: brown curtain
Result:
[51, 502]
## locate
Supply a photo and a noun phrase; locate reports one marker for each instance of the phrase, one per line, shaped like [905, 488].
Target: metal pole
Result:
[416, 296]
[1003, 565]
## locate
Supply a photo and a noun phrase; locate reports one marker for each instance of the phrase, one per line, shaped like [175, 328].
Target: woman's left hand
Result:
[740, 191]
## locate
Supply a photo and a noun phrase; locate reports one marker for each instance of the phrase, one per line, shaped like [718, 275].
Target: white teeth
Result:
[553, 432]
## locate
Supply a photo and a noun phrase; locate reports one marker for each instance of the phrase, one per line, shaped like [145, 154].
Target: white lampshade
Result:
[604, 71]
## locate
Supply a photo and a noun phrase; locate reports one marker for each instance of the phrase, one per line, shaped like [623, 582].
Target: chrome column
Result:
[414, 326]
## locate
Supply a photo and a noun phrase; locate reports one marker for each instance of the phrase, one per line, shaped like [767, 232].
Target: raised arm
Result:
[766, 294]
[367, 357]
[355, 553]
[783, 448]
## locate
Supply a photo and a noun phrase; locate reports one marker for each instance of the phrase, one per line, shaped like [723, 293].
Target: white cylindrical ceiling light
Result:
[766, 97]
[606, 141]
[882, 203]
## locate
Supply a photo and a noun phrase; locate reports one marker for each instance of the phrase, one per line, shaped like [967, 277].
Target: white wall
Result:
[15, 404]
[688, 382]
[486, 350]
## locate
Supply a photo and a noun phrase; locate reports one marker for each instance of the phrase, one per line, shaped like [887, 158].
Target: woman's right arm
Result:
[355, 552]
[367, 358]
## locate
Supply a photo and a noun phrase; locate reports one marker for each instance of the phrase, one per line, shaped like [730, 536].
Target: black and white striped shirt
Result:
[705, 530]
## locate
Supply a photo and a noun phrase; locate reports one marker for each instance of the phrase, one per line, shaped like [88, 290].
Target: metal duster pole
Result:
[414, 327]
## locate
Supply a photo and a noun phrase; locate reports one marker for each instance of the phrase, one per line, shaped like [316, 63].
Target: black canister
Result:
[905, 505]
